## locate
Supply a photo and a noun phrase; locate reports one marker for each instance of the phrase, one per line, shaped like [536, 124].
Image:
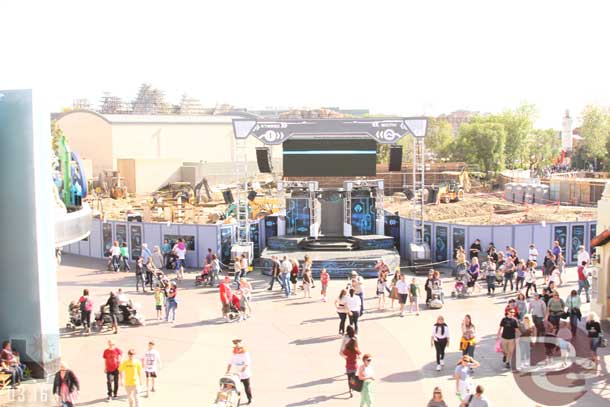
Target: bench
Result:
[5, 379]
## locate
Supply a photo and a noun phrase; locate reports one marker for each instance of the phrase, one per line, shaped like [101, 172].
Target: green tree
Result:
[481, 143]
[544, 147]
[439, 138]
[595, 131]
[518, 124]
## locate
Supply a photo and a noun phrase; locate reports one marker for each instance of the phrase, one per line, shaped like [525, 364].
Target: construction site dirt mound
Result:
[489, 209]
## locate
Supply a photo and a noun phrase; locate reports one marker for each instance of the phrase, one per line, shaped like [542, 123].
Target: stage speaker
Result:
[395, 158]
[251, 195]
[263, 158]
[228, 196]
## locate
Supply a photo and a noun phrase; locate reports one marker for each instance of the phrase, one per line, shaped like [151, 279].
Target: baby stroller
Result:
[436, 298]
[460, 289]
[75, 316]
[235, 308]
[205, 277]
[228, 395]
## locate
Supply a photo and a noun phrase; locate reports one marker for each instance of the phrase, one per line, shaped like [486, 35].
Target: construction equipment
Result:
[197, 191]
[449, 191]
[110, 183]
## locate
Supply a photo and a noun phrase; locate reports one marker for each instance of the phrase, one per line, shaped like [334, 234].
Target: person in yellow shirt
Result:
[131, 377]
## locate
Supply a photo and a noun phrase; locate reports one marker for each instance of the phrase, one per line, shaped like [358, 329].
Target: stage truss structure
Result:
[417, 207]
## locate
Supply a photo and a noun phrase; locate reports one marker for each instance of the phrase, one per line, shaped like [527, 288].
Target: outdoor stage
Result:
[339, 256]
[340, 227]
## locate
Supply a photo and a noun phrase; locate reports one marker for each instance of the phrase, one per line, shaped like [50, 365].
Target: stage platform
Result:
[330, 243]
[338, 255]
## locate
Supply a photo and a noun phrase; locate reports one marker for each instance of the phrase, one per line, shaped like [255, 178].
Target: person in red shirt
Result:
[225, 297]
[112, 360]
[583, 282]
[351, 352]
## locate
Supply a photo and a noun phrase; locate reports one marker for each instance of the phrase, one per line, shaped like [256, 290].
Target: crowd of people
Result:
[536, 310]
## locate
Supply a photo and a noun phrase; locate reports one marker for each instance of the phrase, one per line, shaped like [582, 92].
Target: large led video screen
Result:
[329, 157]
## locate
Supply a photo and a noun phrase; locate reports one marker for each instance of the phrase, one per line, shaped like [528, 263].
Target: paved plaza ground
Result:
[294, 347]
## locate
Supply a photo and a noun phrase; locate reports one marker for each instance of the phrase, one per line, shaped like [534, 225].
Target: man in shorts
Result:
[402, 287]
[507, 329]
[152, 364]
[225, 297]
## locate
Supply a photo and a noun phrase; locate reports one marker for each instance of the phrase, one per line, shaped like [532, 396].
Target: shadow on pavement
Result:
[318, 382]
[311, 341]
[319, 399]
[316, 320]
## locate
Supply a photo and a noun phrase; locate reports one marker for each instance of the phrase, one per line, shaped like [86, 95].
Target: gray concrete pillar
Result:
[28, 298]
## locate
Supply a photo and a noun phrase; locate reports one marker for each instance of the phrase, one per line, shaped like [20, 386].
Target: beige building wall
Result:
[127, 169]
[601, 304]
[143, 176]
[105, 139]
[90, 135]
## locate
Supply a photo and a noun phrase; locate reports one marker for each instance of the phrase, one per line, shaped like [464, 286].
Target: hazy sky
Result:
[395, 57]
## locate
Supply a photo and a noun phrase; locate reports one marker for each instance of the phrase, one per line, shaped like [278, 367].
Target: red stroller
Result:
[204, 278]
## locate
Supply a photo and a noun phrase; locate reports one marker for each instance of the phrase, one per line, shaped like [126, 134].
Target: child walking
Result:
[414, 294]
[159, 303]
[324, 279]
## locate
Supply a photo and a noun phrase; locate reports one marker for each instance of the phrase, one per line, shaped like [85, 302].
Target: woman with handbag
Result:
[351, 353]
[65, 386]
[573, 303]
[367, 375]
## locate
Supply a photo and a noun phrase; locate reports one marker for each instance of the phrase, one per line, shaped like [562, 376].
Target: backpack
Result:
[86, 305]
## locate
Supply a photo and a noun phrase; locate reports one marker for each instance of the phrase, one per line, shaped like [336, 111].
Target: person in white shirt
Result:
[241, 364]
[532, 254]
[357, 283]
[354, 303]
[152, 363]
[402, 287]
[583, 256]
[180, 252]
[115, 256]
[286, 267]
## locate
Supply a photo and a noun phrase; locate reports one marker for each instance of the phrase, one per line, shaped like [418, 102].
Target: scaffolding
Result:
[417, 208]
[241, 175]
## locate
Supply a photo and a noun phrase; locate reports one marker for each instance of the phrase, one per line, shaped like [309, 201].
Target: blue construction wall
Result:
[153, 234]
[517, 236]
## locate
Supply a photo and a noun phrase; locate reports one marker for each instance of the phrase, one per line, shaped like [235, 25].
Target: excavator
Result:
[449, 191]
[188, 193]
[258, 207]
